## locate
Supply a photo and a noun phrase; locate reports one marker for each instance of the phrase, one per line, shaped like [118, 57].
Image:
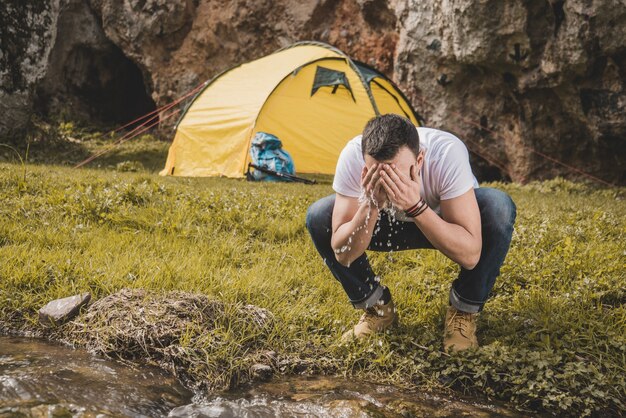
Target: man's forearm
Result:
[453, 240]
[351, 239]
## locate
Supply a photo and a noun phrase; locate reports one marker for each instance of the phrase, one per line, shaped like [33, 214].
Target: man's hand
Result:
[403, 191]
[370, 183]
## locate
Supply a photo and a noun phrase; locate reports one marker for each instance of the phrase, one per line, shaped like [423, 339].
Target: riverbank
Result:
[552, 335]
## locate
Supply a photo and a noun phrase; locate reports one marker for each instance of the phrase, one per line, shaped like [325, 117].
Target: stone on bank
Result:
[59, 311]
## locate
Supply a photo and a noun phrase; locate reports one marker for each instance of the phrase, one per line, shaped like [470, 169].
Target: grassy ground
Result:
[553, 335]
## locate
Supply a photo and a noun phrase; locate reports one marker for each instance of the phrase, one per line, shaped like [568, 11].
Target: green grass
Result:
[553, 335]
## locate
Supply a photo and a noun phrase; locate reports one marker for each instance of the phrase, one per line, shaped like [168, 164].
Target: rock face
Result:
[521, 82]
[548, 77]
[26, 37]
[87, 75]
[56, 59]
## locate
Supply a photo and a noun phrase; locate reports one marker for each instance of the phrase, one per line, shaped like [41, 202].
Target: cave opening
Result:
[97, 86]
[109, 84]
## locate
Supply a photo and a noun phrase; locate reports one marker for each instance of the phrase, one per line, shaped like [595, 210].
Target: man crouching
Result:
[399, 187]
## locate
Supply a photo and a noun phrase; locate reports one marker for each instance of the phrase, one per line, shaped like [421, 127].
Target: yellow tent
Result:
[310, 95]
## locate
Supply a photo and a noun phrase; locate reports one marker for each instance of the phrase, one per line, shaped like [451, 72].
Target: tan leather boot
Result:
[376, 319]
[460, 330]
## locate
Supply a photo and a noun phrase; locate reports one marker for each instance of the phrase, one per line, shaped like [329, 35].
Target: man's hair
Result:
[384, 135]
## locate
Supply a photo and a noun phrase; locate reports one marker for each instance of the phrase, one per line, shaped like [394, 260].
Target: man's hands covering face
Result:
[403, 191]
[374, 190]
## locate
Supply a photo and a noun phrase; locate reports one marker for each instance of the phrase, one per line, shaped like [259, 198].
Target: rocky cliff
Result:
[522, 82]
[27, 32]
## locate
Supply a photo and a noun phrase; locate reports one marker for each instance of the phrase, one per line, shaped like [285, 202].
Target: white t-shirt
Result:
[445, 174]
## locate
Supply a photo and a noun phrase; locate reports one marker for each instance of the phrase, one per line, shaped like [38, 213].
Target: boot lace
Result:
[459, 322]
[371, 315]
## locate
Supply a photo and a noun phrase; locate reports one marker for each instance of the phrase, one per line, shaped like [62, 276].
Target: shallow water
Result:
[41, 379]
[333, 397]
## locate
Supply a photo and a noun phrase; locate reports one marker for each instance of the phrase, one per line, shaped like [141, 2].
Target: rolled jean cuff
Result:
[370, 300]
[462, 304]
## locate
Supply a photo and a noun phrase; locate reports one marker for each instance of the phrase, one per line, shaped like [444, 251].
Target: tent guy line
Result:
[154, 115]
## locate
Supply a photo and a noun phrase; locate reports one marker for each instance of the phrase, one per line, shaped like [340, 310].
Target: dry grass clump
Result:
[194, 337]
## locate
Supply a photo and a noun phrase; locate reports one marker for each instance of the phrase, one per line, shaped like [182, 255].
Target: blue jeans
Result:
[469, 291]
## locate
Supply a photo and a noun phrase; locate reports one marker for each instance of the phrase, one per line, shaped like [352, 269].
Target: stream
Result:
[42, 379]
